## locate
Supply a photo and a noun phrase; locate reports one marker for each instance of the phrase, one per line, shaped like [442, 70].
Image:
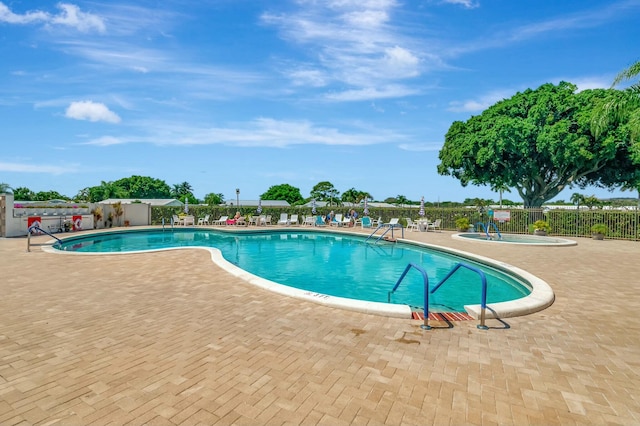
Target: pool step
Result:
[443, 316]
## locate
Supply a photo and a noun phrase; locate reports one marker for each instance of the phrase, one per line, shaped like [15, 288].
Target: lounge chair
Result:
[284, 219]
[435, 225]
[346, 221]
[204, 220]
[176, 220]
[293, 220]
[319, 221]
[308, 221]
[377, 222]
[394, 222]
[411, 225]
[221, 221]
[337, 220]
[267, 220]
[189, 220]
[365, 222]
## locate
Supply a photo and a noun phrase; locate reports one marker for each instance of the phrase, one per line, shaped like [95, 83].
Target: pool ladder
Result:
[37, 228]
[487, 227]
[390, 227]
[483, 278]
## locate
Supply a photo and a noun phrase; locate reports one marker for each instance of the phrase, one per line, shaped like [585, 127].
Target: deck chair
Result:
[284, 219]
[337, 220]
[394, 222]
[267, 220]
[221, 221]
[204, 220]
[365, 222]
[377, 222]
[293, 220]
[319, 221]
[411, 225]
[176, 219]
[308, 221]
[435, 225]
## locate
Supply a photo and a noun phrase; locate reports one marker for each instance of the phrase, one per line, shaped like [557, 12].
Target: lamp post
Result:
[238, 197]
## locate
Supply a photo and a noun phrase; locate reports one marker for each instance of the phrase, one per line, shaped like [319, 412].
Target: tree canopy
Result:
[213, 199]
[325, 191]
[284, 192]
[539, 142]
[352, 195]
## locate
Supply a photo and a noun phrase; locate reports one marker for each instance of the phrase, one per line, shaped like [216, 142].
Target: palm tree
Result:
[615, 110]
[500, 188]
[5, 188]
[576, 199]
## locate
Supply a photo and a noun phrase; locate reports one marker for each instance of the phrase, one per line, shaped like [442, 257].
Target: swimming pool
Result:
[327, 264]
[515, 239]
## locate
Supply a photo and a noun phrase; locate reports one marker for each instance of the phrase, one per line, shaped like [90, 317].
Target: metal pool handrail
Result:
[426, 325]
[483, 278]
[37, 228]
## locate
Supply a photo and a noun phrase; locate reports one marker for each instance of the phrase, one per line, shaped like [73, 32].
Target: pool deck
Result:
[169, 338]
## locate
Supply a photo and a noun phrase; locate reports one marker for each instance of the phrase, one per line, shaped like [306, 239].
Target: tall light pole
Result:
[238, 197]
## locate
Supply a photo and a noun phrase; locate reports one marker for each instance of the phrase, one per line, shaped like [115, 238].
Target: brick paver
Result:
[168, 338]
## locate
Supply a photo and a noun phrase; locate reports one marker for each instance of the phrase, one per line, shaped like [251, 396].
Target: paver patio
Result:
[169, 338]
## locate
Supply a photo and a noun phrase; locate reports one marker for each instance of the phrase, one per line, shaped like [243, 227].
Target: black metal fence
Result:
[621, 224]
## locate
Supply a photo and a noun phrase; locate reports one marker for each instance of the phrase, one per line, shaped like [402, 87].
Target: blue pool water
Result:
[333, 264]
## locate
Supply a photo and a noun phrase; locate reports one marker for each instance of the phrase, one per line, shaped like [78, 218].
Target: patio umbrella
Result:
[186, 205]
[259, 209]
[421, 212]
[366, 206]
[313, 206]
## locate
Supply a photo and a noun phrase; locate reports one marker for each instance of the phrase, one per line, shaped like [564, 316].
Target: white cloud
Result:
[308, 77]
[12, 18]
[481, 103]
[72, 16]
[69, 16]
[421, 147]
[32, 168]
[92, 111]
[353, 43]
[105, 141]
[469, 4]
[586, 83]
[261, 132]
[371, 93]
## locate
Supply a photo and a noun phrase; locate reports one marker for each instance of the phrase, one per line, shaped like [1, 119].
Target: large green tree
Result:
[285, 192]
[144, 187]
[325, 191]
[539, 142]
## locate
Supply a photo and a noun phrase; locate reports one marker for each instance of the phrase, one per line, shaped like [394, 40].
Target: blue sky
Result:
[228, 94]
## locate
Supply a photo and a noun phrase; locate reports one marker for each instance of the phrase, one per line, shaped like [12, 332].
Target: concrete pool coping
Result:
[539, 240]
[541, 295]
